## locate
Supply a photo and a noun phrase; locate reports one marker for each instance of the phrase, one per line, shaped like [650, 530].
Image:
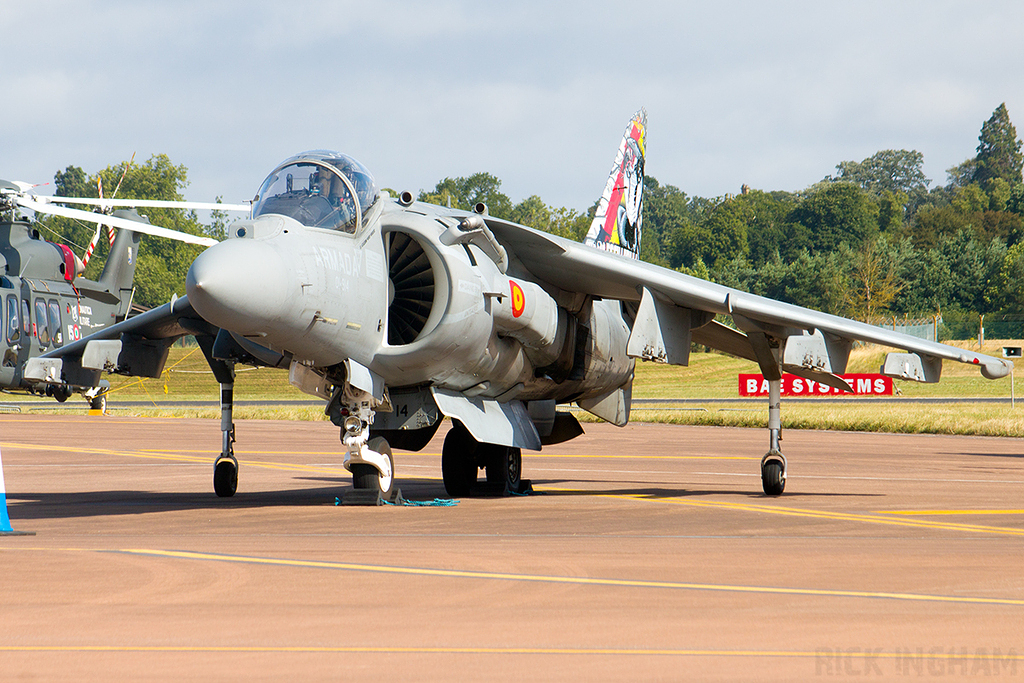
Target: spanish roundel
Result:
[518, 299]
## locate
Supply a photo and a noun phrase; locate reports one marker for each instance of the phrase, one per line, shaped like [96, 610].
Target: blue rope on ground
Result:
[436, 503]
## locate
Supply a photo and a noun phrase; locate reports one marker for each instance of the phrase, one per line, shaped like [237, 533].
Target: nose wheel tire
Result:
[368, 477]
[225, 478]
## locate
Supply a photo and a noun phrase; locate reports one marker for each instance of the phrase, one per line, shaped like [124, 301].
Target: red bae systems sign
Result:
[863, 385]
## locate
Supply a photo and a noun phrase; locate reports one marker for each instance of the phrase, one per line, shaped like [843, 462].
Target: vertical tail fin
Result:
[119, 271]
[617, 225]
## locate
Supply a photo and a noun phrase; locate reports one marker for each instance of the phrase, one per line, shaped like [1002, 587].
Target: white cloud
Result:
[769, 94]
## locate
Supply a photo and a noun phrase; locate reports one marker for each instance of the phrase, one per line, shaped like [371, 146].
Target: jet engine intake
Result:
[414, 289]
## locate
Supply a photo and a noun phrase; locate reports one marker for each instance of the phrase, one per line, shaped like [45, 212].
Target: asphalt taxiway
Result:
[647, 553]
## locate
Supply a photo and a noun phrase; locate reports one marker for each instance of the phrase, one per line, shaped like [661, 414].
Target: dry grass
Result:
[912, 418]
[710, 376]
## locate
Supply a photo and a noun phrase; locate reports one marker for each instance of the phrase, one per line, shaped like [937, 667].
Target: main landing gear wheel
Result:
[504, 467]
[458, 461]
[368, 477]
[225, 477]
[99, 403]
[773, 475]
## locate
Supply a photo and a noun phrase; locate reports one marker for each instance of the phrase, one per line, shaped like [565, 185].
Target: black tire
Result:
[225, 478]
[504, 467]
[99, 403]
[459, 461]
[772, 480]
[367, 477]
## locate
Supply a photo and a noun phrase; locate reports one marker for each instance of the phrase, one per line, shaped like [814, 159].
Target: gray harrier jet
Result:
[398, 313]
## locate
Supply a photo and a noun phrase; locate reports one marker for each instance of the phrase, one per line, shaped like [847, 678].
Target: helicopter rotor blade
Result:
[124, 223]
[145, 203]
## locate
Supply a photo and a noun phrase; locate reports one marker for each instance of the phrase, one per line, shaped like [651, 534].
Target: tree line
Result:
[875, 238]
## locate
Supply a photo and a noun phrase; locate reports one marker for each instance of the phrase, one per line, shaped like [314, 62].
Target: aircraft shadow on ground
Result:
[681, 491]
[71, 505]
[989, 455]
[64, 505]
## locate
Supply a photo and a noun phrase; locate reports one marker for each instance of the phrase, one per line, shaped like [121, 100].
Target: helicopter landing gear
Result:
[99, 403]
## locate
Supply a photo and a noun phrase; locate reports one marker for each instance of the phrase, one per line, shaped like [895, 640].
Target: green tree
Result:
[769, 230]
[162, 263]
[936, 223]
[892, 207]
[1008, 289]
[533, 212]
[962, 174]
[718, 234]
[999, 154]
[836, 213]
[665, 210]
[874, 279]
[465, 193]
[891, 170]
[571, 224]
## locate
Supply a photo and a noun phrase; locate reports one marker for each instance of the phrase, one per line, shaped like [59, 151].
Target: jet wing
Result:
[163, 322]
[137, 346]
[821, 340]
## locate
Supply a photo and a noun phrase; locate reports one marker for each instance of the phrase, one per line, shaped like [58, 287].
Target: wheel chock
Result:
[372, 497]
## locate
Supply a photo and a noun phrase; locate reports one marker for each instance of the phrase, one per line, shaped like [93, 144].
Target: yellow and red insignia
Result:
[518, 299]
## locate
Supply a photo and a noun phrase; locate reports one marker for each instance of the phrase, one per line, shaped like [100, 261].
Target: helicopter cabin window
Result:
[26, 318]
[42, 329]
[13, 324]
[56, 334]
[320, 190]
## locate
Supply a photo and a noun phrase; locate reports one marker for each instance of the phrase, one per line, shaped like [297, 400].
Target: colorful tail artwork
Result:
[616, 226]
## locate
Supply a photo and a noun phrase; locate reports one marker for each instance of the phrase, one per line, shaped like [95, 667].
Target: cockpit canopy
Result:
[320, 189]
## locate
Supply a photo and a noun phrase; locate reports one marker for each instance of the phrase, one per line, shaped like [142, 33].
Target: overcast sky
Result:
[771, 94]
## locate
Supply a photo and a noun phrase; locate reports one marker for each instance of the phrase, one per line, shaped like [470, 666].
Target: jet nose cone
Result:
[241, 285]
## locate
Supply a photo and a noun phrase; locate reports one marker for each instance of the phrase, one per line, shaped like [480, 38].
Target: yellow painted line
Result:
[172, 457]
[638, 456]
[575, 580]
[927, 513]
[982, 654]
[822, 514]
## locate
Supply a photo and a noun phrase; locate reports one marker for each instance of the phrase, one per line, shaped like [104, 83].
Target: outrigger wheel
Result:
[773, 473]
[225, 477]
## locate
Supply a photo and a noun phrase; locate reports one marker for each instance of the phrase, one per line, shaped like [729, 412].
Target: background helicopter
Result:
[46, 302]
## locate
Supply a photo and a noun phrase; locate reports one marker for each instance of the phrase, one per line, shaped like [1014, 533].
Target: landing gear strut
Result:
[368, 459]
[225, 468]
[773, 464]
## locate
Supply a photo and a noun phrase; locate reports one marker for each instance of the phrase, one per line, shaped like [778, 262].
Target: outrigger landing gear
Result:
[773, 464]
[225, 468]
